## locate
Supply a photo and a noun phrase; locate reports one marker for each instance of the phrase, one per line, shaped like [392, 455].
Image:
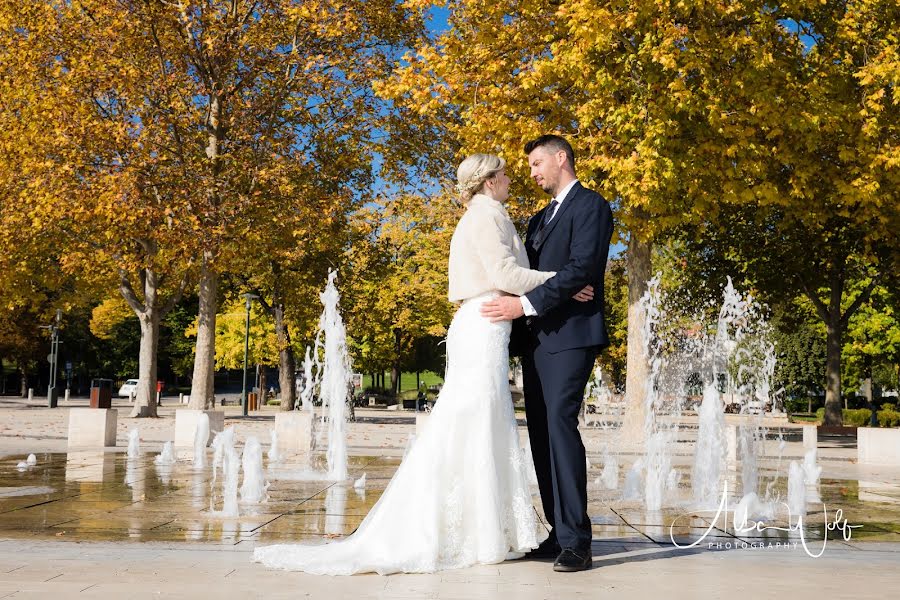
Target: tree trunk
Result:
[147, 363]
[202, 388]
[286, 361]
[149, 314]
[395, 369]
[869, 392]
[834, 329]
[637, 369]
[23, 385]
[262, 382]
[835, 324]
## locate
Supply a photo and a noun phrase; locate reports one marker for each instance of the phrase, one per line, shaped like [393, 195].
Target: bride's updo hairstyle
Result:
[474, 171]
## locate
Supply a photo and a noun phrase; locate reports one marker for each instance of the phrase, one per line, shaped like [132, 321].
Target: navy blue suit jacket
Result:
[575, 244]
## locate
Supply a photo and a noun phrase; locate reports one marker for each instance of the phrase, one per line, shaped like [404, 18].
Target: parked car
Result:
[128, 388]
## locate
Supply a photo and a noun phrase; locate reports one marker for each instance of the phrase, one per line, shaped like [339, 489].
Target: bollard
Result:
[66, 397]
[131, 397]
[30, 394]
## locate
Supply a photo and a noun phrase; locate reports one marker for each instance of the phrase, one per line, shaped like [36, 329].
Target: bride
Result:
[461, 495]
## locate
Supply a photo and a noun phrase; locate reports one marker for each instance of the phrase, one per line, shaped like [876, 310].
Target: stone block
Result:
[810, 437]
[92, 427]
[421, 422]
[877, 446]
[295, 432]
[186, 420]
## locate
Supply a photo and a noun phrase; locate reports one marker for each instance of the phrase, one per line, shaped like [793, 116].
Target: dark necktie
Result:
[548, 214]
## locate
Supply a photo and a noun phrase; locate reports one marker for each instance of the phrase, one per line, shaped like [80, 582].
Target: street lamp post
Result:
[52, 394]
[248, 297]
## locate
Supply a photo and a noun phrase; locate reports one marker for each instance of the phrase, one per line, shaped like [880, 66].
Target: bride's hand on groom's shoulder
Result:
[585, 295]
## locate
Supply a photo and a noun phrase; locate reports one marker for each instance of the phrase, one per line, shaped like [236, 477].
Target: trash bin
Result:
[252, 401]
[101, 393]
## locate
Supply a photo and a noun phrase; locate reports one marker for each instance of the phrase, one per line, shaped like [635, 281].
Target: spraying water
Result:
[310, 380]
[134, 443]
[253, 488]
[335, 508]
[709, 458]
[273, 454]
[811, 473]
[609, 477]
[336, 376]
[660, 435]
[633, 481]
[221, 441]
[796, 490]
[201, 437]
[167, 457]
[226, 456]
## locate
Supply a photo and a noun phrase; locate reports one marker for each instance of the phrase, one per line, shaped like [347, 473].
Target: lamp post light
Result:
[248, 297]
[52, 394]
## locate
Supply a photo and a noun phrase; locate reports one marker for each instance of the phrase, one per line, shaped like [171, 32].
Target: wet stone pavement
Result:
[96, 524]
[106, 496]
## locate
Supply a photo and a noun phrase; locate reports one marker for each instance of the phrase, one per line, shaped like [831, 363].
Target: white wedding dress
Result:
[461, 495]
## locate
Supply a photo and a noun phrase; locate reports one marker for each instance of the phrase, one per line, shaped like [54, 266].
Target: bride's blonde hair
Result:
[474, 171]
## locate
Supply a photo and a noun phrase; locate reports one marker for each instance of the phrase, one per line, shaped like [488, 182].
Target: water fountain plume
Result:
[336, 377]
[253, 487]
[709, 455]
[609, 477]
[134, 443]
[226, 456]
[273, 454]
[796, 490]
[201, 437]
[167, 457]
[811, 473]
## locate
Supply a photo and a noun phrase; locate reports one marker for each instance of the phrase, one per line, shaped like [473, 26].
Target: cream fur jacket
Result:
[486, 254]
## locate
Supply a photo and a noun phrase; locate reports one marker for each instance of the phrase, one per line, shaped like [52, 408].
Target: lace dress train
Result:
[461, 495]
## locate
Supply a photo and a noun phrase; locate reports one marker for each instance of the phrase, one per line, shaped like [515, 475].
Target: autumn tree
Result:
[677, 110]
[398, 279]
[636, 87]
[172, 122]
[93, 147]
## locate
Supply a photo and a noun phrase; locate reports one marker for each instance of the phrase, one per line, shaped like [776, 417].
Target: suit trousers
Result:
[554, 390]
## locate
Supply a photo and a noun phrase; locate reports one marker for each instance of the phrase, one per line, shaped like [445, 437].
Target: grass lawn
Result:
[407, 380]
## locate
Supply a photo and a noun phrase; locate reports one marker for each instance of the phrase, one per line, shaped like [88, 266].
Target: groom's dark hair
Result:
[553, 143]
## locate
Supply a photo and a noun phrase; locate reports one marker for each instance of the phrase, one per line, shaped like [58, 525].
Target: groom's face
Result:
[545, 169]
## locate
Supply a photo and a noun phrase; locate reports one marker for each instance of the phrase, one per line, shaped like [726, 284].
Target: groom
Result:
[558, 339]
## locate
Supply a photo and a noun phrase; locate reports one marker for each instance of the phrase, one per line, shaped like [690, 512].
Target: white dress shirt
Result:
[526, 305]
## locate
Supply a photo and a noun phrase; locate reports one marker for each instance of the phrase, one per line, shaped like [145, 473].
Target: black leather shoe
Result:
[549, 548]
[571, 560]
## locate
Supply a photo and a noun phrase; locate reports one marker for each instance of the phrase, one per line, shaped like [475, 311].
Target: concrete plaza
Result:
[93, 524]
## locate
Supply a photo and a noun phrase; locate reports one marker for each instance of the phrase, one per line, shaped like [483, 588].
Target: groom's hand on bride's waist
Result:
[504, 308]
[509, 308]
